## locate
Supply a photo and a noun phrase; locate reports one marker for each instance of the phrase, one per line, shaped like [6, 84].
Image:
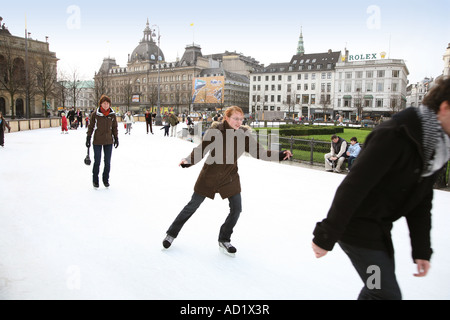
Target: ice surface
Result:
[61, 239]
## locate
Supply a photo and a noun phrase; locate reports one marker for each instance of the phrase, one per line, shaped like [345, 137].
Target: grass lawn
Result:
[361, 135]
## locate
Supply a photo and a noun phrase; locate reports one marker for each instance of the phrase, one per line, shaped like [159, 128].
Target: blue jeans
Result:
[364, 260]
[226, 230]
[107, 150]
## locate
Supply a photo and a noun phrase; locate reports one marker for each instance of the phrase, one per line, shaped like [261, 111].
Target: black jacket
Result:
[384, 185]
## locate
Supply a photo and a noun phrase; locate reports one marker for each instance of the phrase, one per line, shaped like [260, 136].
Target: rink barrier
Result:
[33, 124]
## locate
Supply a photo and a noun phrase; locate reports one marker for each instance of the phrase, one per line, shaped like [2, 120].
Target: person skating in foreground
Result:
[393, 178]
[226, 142]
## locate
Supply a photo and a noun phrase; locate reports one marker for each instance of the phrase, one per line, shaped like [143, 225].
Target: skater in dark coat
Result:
[393, 178]
[226, 142]
[148, 121]
[104, 121]
[3, 126]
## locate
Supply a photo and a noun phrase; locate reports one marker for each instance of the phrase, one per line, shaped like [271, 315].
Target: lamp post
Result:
[27, 94]
[158, 120]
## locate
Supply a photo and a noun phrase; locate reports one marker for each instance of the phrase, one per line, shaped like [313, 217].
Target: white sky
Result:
[82, 33]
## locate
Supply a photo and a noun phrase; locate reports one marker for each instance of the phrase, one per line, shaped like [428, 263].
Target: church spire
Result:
[300, 47]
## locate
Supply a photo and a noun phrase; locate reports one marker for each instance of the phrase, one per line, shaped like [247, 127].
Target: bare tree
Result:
[74, 87]
[358, 103]
[290, 102]
[12, 71]
[46, 79]
[325, 102]
[101, 85]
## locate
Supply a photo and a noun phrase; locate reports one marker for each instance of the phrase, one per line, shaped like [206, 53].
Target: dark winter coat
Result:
[223, 178]
[339, 148]
[105, 127]
[384, 185]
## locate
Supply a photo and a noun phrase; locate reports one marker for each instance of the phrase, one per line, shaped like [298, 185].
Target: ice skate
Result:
[168, 241]
[227, 248]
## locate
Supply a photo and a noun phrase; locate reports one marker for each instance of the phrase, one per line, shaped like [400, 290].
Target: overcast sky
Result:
[82, 33]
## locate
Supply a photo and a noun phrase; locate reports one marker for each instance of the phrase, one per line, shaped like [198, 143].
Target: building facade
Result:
[328, 85]
[148, 81]
[369, 86]
[302, 87]
[28, 76]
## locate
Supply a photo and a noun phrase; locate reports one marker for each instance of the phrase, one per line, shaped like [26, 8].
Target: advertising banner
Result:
[208, 90]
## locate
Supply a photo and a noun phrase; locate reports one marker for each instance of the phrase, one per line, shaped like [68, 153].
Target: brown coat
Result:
[105, 127]
[219, 175]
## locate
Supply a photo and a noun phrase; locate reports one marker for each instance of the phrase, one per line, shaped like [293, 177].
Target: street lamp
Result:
[158, 120]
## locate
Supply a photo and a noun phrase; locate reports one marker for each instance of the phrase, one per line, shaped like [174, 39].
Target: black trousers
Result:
[226, 229]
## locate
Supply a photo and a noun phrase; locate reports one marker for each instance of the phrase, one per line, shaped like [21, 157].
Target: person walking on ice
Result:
[225, 141]
[103, 124]
[393, 178]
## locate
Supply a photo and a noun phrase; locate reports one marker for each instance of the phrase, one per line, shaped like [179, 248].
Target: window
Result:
[313, 86]
[380, 73]
[348, 75]
[359, 74]
[324, 75]
[348, 86]
[380, 86]
[369, 86]
[299, 76]
[306, 76]
[273, 78]
[395, 73]
[313, 76]
[379, 103]
[369, 74]
[306, 87]
[329, 75]
[280, 78]
[394, 87]
[289, 78]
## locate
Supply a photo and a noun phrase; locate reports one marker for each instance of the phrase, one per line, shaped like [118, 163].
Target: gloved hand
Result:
[88, 141]
[116, 142]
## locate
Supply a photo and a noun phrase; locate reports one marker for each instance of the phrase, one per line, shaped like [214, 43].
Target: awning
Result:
[347, 97]
[368, 97]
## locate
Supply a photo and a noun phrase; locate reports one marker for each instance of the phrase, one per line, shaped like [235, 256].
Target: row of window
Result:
[328, 75]
[305, 76]
[306, 99]
[173, 78]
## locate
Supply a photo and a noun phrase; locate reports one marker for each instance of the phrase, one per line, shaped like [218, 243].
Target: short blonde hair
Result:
[233, 109]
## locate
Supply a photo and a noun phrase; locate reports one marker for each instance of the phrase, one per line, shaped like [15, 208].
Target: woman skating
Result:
[226, 142]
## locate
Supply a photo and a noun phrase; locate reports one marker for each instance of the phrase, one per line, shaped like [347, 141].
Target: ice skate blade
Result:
[225, 252]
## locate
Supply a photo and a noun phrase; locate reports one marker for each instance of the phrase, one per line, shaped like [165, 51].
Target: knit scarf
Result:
[105, 112]
[435, 142]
